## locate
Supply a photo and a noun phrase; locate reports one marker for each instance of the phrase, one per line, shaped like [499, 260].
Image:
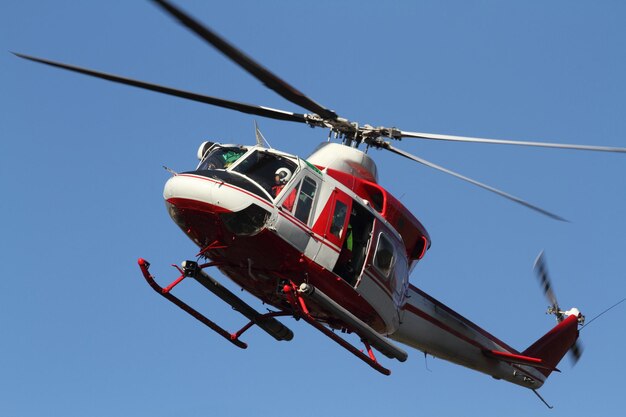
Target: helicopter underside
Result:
[260, 261]
[246, 260]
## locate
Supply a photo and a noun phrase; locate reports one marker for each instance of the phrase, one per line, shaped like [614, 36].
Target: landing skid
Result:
[297, 302]
[267, 322]
[295, 296]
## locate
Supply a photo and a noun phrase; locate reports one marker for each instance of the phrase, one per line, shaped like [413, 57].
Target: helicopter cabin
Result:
[414, 235]
[357, 171]
[350, 167]
[341, 222]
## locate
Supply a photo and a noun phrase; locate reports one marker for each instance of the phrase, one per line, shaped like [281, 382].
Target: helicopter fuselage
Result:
[311, 229]
[332, 228]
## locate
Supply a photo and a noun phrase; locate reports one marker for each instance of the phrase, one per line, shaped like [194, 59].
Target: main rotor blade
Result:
[254, 68]
[541, 270]
[433, 136]
[464, 178]
[215, 101]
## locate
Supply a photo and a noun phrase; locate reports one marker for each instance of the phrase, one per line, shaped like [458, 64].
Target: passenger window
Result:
[401, 282]
[339, 219]
[305, 200]
[384, 258]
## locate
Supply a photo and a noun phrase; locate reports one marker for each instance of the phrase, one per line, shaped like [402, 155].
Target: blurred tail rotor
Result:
[541, 271]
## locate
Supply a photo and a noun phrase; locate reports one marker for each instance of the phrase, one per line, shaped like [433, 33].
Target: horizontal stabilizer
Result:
[518, 359]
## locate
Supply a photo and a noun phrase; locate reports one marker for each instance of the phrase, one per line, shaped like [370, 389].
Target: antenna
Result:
[605, 311]
[260, 139]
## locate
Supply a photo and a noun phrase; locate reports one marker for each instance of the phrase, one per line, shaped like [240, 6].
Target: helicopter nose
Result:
[210, 193]
[187, 191]
[201, 203]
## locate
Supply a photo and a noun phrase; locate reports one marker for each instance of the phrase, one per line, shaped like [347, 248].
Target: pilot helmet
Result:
[283, 174]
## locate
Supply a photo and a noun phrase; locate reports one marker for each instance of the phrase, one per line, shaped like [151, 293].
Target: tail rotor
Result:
[541, 271]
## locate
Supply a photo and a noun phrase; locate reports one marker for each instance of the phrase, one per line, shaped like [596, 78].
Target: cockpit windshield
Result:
[269, 170]
[221, 157]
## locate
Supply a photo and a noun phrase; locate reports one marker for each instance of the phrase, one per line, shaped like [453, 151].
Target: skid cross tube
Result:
[267, 322]
[145, 265]
[358, 326]
[298, 304]
[260, 318]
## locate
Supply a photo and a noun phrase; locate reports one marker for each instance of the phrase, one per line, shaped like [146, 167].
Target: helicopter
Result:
[388, 239]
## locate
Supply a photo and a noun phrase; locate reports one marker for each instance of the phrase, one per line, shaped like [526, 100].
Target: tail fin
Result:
[552, 346]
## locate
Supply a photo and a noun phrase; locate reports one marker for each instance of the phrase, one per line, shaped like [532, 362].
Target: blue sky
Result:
[81, 177]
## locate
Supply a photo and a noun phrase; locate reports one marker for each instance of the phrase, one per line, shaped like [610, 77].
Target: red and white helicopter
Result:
[320, 240]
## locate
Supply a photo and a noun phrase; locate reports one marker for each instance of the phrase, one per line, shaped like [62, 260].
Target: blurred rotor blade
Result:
[541, 270]
[433, 136]
[233, 105]
[576, 351]
[464, 178]
[251, 66]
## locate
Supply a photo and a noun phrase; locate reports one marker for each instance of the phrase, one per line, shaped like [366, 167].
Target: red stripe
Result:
[285, 215]
[229, 186]
[524, 360]
[411, 308]
[187, 203]
[462, 319]
[306, 229]
[374, 279]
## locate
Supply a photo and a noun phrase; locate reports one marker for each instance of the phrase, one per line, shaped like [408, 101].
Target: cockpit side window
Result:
[305, 200]
[221, 157]
[270, 171]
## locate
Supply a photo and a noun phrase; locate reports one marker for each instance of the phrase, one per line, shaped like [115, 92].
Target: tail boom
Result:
[434, 328]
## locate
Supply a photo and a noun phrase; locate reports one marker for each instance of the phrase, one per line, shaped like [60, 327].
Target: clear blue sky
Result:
[81, 179]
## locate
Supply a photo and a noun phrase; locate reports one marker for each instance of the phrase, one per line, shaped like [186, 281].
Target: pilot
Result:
[281, 177]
